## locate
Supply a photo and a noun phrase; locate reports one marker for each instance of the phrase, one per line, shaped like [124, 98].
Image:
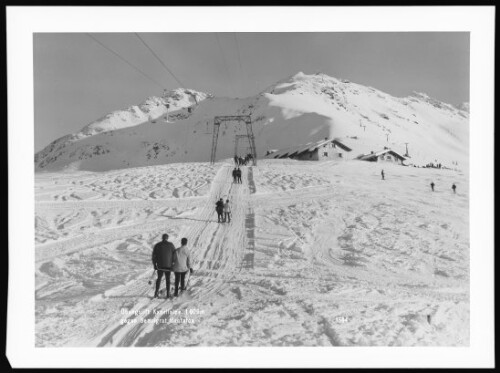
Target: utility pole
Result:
[407, 155]
[364, 128]
[387, 136]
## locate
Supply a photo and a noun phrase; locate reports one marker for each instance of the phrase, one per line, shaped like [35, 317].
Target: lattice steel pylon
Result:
[233, 118]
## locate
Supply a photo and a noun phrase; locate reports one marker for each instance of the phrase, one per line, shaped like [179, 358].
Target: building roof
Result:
[377, 154]
[309, 147]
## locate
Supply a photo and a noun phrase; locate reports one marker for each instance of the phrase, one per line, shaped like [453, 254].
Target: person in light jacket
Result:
[182, 264]
[227, 212]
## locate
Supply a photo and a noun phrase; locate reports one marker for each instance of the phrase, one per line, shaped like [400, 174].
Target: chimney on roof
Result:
[371, 152]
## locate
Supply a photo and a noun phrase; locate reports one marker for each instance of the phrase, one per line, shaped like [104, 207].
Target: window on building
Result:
[340, 155]
[325, 154]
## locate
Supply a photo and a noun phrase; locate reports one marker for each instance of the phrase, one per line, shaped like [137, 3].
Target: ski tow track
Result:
[216, 250]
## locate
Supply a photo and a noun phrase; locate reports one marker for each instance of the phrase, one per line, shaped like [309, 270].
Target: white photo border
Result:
[22, 22]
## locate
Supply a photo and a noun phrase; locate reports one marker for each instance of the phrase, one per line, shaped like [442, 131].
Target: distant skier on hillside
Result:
[219, 208]
[163, 261]
[454, 187]
[181, 266]
[432, 185]
[382, 174]
[235, 173]
[238, 175]
[227, 212]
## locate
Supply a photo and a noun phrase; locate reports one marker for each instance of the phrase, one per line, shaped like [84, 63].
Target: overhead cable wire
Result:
[159, 59]
[239, 57]
[124, 60]
[225, 63]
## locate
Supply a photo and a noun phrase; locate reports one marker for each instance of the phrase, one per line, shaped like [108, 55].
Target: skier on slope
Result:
[238, 175]
[219, 208]
[383, 175]
[454, 187]
[432, 185]
[181, 265]
[234, 175]
[163, 261]
[227, 212]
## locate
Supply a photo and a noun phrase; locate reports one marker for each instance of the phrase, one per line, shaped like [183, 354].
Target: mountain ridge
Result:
[294, 110]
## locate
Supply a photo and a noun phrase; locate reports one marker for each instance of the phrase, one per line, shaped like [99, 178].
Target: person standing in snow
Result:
[432, 185]
[163, 261]
[181, 266]
[383, 175]
[219, 207]
[234, 175]
[454, 187]
[227, 212]
[238, 175]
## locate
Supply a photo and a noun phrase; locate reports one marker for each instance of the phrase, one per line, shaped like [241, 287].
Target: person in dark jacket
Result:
[234, 175]
[238, 175]
[454, 187]
[219, 208]
[432, 185]
[163, 262]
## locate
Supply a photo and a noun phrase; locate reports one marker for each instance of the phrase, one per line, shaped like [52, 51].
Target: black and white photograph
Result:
[253, 187]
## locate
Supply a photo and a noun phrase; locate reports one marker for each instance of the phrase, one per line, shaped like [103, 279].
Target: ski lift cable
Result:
[239, 56]
[225, 64]
[124, 60]
[159, 59]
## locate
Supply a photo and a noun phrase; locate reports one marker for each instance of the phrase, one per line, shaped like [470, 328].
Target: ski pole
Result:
[152, 275]
[189, 278]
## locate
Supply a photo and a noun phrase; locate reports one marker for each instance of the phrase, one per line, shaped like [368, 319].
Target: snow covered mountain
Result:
[297, 110]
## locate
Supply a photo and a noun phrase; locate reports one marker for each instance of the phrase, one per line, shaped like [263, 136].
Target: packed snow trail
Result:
[216, 250]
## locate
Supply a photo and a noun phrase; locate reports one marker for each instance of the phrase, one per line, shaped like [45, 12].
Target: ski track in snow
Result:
[310, 257]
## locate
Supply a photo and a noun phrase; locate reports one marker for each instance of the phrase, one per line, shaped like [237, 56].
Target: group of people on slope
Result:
[166, 258]
[237, 175]
[453, 186]
[223, 211]
[242, 161]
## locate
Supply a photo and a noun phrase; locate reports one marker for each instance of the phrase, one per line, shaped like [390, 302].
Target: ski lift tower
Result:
[236, 142]
[233, 118]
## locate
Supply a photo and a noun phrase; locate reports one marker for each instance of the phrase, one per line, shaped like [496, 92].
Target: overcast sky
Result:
[77, 80]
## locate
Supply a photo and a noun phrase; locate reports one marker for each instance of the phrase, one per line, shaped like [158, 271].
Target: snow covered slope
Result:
[294, 111]
[316, 254]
